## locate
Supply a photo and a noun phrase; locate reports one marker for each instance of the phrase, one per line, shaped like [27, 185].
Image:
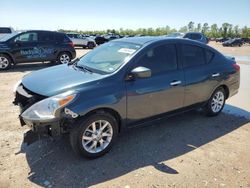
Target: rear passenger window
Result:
[60, 37]
[160, 59]
[46, 37]
[192, 55]
[209, 55]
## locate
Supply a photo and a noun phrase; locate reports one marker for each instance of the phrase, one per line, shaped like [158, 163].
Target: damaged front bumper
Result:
[40, 130]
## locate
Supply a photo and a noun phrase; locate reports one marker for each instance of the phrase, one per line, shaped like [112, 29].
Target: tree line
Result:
[224, 30]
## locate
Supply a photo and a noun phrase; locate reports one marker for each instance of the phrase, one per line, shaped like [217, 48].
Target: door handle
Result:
[215, 75]
[175, 83]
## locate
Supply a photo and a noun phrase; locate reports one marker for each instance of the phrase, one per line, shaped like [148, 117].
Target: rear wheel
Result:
[94, 135]
[64, 58]
[5, 62]
[216, 102]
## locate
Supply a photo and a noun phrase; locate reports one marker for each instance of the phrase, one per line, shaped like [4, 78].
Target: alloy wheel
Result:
[97, 136]
[64, 58]
[217, 101]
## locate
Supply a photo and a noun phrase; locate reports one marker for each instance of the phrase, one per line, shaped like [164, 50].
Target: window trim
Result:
[15, 37]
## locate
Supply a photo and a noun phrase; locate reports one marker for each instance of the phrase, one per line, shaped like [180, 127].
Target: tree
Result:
[214, 30]
[191, 26]
[225, 29]
[236, 31]
[198, 29]
[205, 28]
[183, 29]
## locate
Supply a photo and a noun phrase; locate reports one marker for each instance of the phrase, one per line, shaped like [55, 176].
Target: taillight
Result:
[236, 67]
[71, 44]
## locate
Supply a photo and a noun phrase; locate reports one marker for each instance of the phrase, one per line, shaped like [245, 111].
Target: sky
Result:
[115, 14]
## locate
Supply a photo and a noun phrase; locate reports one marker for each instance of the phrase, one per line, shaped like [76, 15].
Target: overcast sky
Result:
[115, 14]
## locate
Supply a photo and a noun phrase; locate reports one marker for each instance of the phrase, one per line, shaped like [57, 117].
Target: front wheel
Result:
[94, 136]
[64, 58]
[216, 102]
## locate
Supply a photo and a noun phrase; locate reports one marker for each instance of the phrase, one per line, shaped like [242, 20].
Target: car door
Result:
[47, 46]
[201, 75]
[24, 47]
[160, 93]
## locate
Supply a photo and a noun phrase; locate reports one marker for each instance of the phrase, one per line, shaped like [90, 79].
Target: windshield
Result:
[6, 37]
[108, 57]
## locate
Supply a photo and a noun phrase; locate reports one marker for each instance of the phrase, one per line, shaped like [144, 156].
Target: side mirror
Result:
[139, 72]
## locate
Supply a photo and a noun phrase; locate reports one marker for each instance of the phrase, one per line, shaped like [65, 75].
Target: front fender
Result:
[113, 98]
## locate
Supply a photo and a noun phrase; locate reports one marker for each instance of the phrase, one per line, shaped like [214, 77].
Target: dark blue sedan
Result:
[121, 84]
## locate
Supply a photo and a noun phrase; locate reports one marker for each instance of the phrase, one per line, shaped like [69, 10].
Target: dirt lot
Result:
[189, 151]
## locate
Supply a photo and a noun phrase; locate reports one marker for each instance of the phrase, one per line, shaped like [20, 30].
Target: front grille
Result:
[25, 98]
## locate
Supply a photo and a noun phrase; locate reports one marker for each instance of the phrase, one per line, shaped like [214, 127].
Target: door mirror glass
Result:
[141, 72]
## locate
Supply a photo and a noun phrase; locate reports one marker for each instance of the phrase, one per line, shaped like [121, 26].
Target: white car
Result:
[6, 31]
[81, 41]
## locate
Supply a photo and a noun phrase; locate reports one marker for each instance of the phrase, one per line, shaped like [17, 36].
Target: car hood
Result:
[58, 79]
[3, 45]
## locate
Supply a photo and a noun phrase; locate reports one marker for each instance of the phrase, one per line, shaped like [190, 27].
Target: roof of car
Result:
[140, 40]
[148, 39]
[194, 32]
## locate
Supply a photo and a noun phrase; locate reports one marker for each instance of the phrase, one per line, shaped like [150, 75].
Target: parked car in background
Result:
[81, 41]
[121, 84]
[6, 31]
[35, 46]
[176, 35]
[110, 37]
[233, 42]
[196, 36]
[246, 40]
[222, 39]
[100, 40]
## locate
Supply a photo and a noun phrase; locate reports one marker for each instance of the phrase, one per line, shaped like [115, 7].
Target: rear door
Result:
[24, 47]
[160, 93]
[201, 74]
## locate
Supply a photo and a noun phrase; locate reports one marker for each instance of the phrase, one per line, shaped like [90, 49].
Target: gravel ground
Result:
[190, 150]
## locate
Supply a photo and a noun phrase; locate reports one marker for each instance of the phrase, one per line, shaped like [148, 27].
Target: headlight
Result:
[16, 86]
[47, 108]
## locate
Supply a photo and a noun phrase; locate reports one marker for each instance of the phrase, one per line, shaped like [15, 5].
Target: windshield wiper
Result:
[74, 61]
[84, 68]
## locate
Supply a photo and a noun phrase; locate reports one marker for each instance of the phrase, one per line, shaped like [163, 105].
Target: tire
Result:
[216, 102]
[90, 147]
[91, 45]
[64, 58]
[5, 62]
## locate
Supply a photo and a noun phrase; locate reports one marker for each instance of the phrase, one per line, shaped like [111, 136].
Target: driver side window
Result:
[27, 37]
[159, 59]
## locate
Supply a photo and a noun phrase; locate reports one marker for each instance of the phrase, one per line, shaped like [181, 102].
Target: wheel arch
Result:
[111, 111]
[65, 51]
[10, 56]
[226, 89]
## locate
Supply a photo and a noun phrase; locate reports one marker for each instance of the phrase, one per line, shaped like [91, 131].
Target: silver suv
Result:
[81, 41]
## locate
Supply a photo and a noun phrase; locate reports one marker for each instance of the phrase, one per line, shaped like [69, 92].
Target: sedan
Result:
[122, 84]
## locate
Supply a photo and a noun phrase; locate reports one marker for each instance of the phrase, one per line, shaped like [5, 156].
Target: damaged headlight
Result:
[47, 108]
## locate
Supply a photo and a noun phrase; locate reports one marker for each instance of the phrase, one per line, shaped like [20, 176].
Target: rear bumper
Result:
[73, 54]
